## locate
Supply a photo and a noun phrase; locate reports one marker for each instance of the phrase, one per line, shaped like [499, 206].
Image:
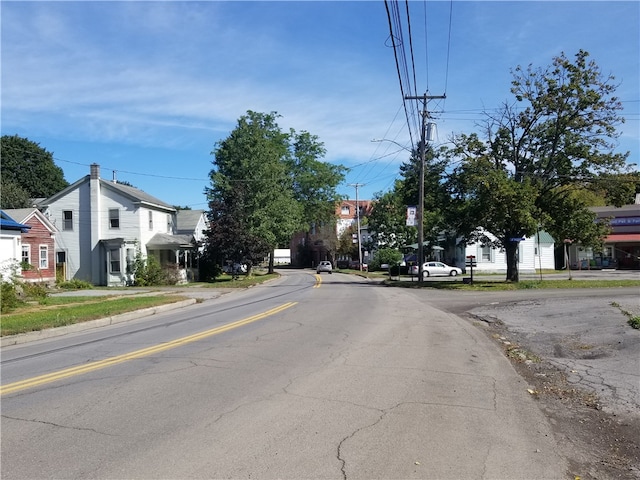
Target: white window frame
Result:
[43, 262]
[67, 223]
[345, 210]
[115, 253]
[114, 219]
[480, 256]
[26, 248]
[150, 220]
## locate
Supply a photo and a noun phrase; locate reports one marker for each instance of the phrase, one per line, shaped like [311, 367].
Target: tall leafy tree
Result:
[265, 186]
[13, 195]
[251, 200]
[388, 220]
[559, 131]
[314, 184]
[314, 181]
[29, 166]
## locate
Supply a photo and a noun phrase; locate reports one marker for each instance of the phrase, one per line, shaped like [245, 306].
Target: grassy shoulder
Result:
[56, 311]
[60, 311]
[479, 285]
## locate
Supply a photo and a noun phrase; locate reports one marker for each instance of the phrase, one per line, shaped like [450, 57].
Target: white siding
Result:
[528, 260]
[10, 253]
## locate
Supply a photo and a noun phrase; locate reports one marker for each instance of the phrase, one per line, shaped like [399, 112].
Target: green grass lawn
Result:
[57, 311]
[60, 311]
[479, 285]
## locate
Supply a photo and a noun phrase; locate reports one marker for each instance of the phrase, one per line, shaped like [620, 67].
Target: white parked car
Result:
[435, 268]
[324, 266]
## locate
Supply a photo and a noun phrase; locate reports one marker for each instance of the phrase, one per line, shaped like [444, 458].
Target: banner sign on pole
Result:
[412, 211]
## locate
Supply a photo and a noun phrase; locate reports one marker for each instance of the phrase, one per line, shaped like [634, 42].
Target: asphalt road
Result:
[297, 378]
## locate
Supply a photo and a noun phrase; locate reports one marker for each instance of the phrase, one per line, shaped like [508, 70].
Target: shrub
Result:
[36, 291]
[148, 272]
[8, 297]
[389, 256]
[75, 285]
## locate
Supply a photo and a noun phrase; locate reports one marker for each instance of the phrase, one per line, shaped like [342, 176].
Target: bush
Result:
[389, 256]
[75, 285]
[8, 297]
[36, 291]
[148, 272]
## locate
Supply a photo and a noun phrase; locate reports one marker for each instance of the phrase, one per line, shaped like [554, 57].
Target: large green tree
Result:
[559, 131]
[29, 168]
[265, 186]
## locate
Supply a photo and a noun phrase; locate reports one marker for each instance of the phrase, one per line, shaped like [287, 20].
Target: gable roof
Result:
[187, 220]
[134, 194]
[8, 223]
[138, 196]
[23, 215]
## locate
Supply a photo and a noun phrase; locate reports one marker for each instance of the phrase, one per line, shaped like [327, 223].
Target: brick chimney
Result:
[95, 171]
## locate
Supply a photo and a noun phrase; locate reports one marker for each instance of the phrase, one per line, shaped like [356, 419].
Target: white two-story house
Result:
[102, 225]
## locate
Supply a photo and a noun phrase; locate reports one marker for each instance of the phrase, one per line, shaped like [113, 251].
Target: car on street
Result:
[435, 269]
[324, 266]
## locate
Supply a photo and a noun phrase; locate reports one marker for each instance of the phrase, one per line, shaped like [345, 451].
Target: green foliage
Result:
[265, 186]
[388, 220]
[560, 133]
[9, 299]
[82, 310]
[148, 272]
[35, 291]
[389, 256]
[13, 195]
[314, 182]
[346, 247]
[29, 166]
[75, 284]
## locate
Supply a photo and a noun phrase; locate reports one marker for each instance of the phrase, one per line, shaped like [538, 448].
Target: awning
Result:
[623, 238]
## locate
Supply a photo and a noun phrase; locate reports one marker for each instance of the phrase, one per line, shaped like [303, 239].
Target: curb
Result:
[21, 338]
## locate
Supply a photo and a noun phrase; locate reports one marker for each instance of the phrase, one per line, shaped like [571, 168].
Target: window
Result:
[345, 210]
[130, 259]
[67, 220]
[485, 253]
[26, 254]
[168, 223]
[44, 257]
[150, 220]
[114, 260]
[114, 218]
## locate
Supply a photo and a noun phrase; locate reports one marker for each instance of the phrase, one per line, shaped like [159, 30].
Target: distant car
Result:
[324, 266]
[355, 265]
[435, 269]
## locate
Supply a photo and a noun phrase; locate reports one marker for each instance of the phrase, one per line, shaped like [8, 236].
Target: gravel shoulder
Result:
[582, 363]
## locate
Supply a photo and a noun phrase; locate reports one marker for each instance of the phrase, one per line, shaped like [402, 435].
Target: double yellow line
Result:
[318, 281]
[108, 362]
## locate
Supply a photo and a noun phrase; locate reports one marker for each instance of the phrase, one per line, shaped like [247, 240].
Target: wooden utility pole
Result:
[357, 185]
[423, 133]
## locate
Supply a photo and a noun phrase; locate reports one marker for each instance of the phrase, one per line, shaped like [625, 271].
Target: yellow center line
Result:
[318, 281]
[107, 362]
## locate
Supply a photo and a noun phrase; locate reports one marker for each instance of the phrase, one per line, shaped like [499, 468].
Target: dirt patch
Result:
[597, 444]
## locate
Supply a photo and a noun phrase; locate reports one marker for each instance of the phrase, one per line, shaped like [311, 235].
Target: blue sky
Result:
[146, 89]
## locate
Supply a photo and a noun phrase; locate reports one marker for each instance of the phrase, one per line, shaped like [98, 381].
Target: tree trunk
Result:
[271, 260]
[512, 260]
